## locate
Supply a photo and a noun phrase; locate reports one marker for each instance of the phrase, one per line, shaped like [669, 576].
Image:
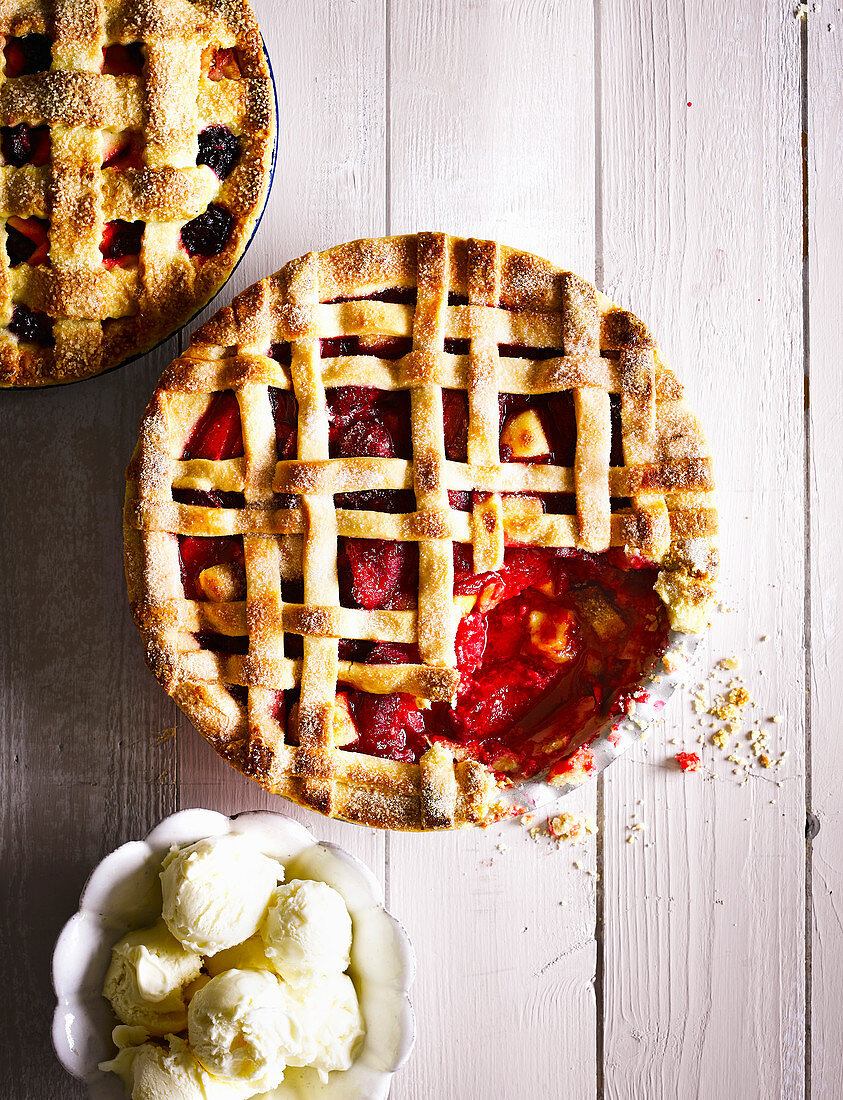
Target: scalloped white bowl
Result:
[124, 893]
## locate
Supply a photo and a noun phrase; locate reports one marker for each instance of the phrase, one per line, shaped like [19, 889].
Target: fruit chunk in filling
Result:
[549, 648]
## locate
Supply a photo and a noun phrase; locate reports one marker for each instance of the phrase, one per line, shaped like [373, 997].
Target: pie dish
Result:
[411, 519]
[137, 141]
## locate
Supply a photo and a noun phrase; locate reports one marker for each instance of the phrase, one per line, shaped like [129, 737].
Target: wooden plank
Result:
[329, 63]
[82, 766]
[491, 109]
[825, 277]
[701, 186]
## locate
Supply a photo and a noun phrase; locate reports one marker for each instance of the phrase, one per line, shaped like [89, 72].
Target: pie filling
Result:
[25, 144]
[209, 233]
[32, 53]
[121, 243]
[219, 148]
[123, 59]
[27, 241]
[32, 325]
[549, 648]
[124, 151]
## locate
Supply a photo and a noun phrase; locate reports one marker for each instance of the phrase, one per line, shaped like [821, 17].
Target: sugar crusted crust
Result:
[104, 316]
[498, 296]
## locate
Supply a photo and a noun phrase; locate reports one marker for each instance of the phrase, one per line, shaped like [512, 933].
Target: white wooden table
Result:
[657, 147]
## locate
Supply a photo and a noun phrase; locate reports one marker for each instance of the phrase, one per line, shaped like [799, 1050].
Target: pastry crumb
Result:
[571, 826]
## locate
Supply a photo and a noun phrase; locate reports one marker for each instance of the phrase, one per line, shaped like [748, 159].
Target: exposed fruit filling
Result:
[225, 65]
[121, 243]
[32, 325]
[123, 60]
[27, 241]
[218, 434]
[208, 234]
[548, 648]
[124, 151]
[33, 53]
[219, 149]
[25, 145]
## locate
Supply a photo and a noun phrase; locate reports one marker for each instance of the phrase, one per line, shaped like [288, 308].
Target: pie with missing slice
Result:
[136, 141]
[412, 518]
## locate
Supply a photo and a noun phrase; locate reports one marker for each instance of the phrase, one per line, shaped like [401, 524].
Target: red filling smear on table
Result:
[688, 761]
[549, 647]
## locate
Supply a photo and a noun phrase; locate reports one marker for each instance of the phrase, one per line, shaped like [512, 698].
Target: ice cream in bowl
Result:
[225, 958]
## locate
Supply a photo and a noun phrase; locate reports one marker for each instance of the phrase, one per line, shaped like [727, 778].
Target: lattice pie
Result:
[411, 516]
[135, 147]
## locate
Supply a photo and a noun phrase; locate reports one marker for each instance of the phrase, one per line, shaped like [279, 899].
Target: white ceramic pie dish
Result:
[618, 734]
[123, 893]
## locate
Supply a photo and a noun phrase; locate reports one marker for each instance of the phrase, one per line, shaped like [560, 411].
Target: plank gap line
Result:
[807, 639]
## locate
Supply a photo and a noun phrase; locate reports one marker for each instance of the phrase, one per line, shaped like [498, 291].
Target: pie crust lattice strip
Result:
[455, 304]
[137, 140]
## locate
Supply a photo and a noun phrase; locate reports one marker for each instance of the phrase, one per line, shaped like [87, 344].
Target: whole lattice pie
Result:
[412, 516]
[135, 148]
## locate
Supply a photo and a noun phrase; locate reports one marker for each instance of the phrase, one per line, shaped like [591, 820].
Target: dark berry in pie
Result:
[25, 145]
[208, 234]
[219, 149]
[121, 243]
[32, 325]
[281, 353]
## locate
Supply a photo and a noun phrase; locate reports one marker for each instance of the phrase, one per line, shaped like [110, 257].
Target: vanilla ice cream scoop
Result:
[244, 1026]
[216, 891]
[249, 955]
[153, 1072]
[307, 931]
[336, 1022]
[146, 979]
